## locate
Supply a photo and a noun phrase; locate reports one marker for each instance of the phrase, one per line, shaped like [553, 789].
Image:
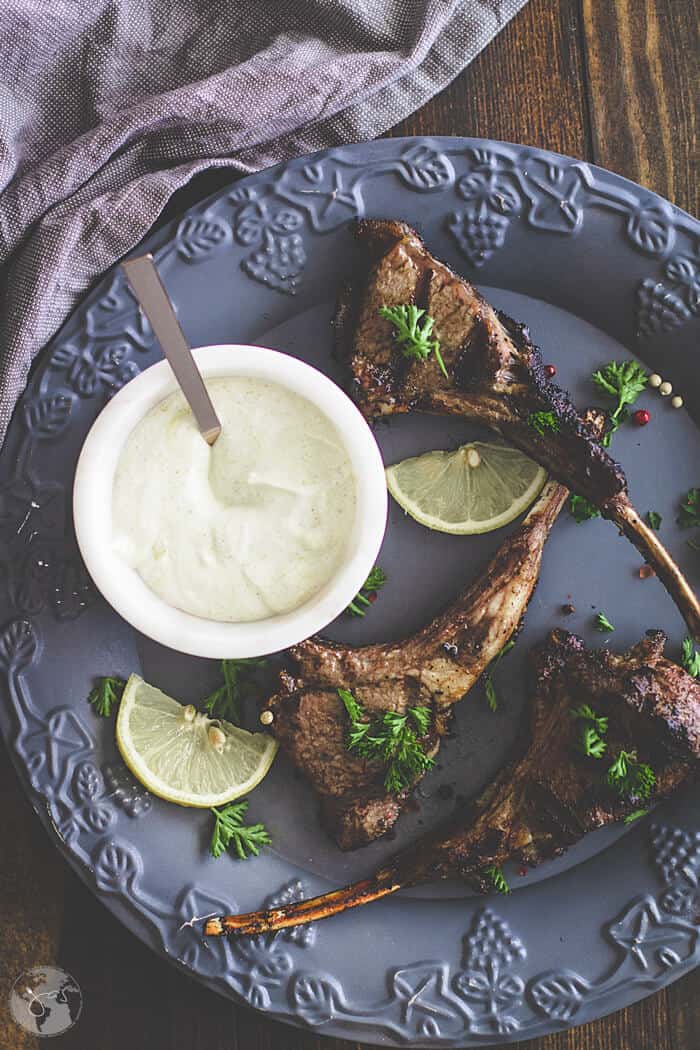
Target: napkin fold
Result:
[106, 108]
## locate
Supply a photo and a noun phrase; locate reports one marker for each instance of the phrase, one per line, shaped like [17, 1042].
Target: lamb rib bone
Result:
[495, 376]
[435, 667]
[551, 795]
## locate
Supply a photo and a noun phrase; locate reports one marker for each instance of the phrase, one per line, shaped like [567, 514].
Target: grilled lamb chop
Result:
[551, 795]
[495, 376]
[434, 668]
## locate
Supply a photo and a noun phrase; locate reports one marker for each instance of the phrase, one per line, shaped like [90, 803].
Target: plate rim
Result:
[159, 239]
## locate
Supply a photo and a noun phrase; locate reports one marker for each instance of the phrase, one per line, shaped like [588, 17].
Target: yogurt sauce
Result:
[250, 527]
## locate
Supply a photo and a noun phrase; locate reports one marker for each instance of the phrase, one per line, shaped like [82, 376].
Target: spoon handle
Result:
[153, 299]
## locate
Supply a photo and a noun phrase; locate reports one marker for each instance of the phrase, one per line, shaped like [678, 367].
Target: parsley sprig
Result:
[497, 877]
[544, 423]
[392, 738]
[630, 777]
[602, 623]
[105, 694]
[582, 509]
[689, 511]
[366, 595]
[413, 331]
[654, 520]
[635, 815]
[690, 658]
[591, 731]
[229, 828]
[623, 381]
[489, 687]
[224, 702]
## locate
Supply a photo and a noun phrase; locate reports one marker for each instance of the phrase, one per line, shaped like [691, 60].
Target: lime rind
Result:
[171, 752]
[442, 491]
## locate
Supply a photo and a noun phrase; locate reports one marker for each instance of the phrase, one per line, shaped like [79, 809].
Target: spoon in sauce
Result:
[145, 282]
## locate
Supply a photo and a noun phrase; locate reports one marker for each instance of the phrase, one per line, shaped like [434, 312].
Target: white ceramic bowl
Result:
[123, 587]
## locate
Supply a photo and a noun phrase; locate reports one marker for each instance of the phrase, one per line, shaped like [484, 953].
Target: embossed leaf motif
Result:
[18, 645]
[116, 866]
[62, 737]
[492, 990]
[256, 219]
[121, 376]
[650, 228]
[559, 995]
[90, 369]
[426, 170]
[421, 990]
[490, 190]
[99, 817]
[87, 782]
[684, 274]
[243, 193]
[681, 270]
[314, 998]
[258, 997]
[329, 195]
[266, 960]
[64, 356]
[47, 417]
[642, 934]
[668, 958]
[185, 941]
[486, 984]
[553, 197]
[198, 237]
[116, 314]
[313, 173]
[274, 964]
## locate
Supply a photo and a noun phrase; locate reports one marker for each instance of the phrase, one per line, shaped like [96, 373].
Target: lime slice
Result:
[185, 756]
[476, 488]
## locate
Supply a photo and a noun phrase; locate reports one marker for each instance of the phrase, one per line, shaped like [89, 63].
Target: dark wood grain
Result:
[527, 86]
[643, 79]
[613, 81]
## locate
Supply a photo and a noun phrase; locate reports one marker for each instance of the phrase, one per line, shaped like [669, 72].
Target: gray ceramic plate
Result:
[599, 268]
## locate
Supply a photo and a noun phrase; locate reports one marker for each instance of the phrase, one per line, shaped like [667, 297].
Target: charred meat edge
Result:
[435, 668]
[548, 797]
[495, 376]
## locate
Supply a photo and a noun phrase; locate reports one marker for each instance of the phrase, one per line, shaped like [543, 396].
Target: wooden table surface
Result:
[612, 81]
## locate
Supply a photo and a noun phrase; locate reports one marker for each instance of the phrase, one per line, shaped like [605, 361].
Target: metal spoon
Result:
[142, 275]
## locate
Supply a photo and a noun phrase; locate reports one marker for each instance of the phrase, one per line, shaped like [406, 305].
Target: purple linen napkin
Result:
[106, 108]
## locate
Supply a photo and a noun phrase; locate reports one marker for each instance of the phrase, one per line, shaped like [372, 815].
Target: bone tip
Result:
[214, 927]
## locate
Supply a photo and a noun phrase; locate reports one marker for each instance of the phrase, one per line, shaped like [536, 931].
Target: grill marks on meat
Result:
[434, 667]
[550, 795]
[495, 376]
[495, 372]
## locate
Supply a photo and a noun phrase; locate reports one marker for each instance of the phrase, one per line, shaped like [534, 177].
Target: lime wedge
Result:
[476, 488]
[185, 756]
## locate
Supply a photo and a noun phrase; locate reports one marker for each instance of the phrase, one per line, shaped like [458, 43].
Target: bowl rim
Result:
[121, 585]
